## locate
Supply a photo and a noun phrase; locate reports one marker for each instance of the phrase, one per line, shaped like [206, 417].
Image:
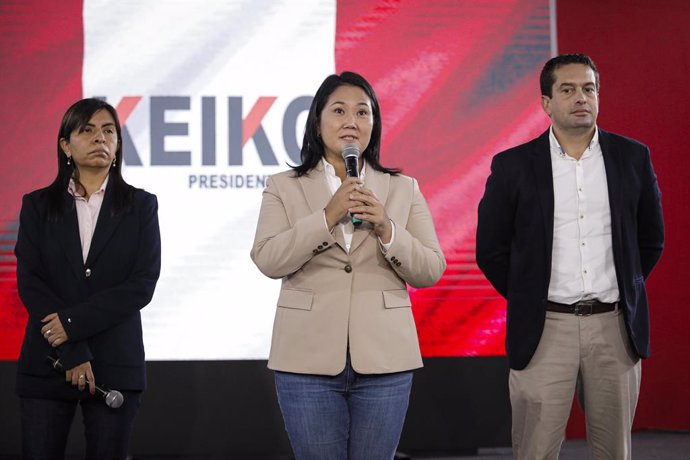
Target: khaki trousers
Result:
[587, 355]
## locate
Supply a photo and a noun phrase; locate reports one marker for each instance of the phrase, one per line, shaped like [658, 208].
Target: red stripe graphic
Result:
[256, 114]
[457, 82]
[42, 51]
[125, 108]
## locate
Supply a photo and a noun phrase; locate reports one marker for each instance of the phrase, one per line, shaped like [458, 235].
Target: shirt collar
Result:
[557, 149]
[72, 188]
[330, 170]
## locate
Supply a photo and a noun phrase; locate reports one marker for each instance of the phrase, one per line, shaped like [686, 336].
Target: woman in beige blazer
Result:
[344, 339]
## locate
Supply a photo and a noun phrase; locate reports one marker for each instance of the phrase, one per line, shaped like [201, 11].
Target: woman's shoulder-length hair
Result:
[312, 145]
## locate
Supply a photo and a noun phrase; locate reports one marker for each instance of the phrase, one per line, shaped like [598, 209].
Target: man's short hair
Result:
[548, 78]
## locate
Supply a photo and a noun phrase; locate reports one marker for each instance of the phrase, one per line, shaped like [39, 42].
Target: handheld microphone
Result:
[351, 156]
[112, 398]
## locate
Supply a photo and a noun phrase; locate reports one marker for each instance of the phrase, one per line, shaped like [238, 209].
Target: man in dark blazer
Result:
[570, 227]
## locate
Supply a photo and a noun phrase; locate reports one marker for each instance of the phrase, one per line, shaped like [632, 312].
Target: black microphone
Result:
[112, 398]
[351, 156]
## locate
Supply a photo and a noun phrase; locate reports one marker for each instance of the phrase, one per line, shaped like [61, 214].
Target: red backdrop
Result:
[40, 78]
[642, 50]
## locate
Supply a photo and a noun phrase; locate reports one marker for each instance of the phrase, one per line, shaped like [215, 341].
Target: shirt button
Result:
[347, 268]
[87, 272]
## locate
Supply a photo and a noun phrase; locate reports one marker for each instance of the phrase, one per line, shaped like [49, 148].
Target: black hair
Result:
[312, 145]
[548, 77]
[76, 118]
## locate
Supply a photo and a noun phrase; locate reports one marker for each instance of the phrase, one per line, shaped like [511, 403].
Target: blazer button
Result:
[347, 269]
[87, 272]
[398, 263]
[325, 243]
[319, 247]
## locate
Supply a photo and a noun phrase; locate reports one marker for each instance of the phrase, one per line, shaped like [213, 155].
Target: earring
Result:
[114, 162]
[69, 161]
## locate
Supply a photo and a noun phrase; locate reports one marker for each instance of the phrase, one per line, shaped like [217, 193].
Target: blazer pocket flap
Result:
[296, 298]
[396, 299]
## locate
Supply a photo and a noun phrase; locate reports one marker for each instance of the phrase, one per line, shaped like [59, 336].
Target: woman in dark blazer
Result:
[88, 258]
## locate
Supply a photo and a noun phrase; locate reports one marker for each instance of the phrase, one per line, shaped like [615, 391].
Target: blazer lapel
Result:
[612, 165]
[541, 162]
[318, 194]
[379, 183]
[315, 188]
[105, 226]
[67, 231]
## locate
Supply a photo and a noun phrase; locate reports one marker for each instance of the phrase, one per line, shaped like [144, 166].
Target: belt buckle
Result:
[584, 308]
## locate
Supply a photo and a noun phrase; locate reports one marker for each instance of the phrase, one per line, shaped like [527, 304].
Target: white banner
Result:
[214, 95]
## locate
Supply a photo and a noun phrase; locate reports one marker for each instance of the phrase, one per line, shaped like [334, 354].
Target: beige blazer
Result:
[330, 298]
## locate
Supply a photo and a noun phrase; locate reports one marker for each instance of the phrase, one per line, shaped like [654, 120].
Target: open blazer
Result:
[330, 299]
[98, 302]
[515, 236]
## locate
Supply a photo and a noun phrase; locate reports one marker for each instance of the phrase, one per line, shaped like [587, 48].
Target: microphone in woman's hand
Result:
[350, 154]
[112, 398]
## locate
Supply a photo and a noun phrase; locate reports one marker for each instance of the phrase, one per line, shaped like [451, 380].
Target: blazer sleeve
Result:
[35, 290]
[111, 306]
[415, 254]
[650, 222]
[494, 226]
[282, 247]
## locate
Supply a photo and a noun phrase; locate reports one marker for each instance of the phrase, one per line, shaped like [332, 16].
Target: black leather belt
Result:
[581, 308]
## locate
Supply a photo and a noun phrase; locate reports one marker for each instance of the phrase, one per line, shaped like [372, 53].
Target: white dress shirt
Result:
[87, 213]
[582, 259]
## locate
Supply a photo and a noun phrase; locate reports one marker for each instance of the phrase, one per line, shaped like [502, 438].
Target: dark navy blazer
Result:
[515, 236]
[98, 302]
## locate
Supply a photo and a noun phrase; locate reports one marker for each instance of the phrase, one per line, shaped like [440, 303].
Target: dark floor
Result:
[647, 445]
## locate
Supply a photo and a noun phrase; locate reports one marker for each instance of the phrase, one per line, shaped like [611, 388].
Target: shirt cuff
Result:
[386, 246]
[325, 223]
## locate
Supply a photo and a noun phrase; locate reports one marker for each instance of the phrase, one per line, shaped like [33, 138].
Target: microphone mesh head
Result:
[114, 399]
[350, 150]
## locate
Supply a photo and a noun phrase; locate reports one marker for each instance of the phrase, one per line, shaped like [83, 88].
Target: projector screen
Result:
[213, 99]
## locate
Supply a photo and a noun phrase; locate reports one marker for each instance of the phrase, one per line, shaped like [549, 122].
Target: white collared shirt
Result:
[345, 225]
[87, 213]
[582, 259]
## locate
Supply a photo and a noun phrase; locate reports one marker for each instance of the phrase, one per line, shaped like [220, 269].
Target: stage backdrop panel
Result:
[213, 98]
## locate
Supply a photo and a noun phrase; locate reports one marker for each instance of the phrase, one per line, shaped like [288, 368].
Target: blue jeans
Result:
[348, 416]
[46, 424]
